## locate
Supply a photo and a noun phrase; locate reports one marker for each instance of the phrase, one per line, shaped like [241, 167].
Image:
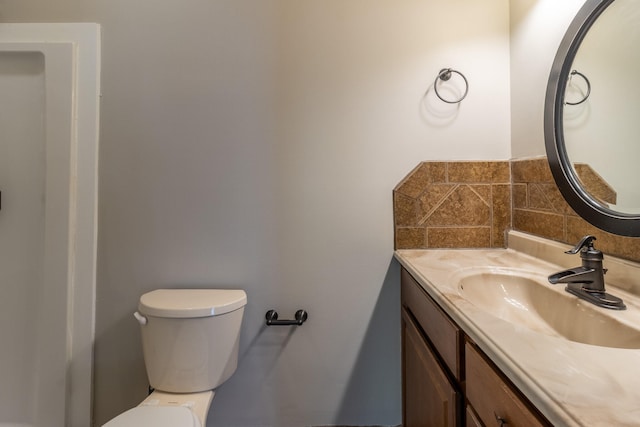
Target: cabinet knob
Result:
[501, 421]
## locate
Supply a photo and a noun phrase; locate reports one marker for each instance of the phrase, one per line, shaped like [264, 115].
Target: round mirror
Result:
[591, 115]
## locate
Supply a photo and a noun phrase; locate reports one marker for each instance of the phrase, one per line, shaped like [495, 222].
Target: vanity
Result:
[487, 340]
[447, 379]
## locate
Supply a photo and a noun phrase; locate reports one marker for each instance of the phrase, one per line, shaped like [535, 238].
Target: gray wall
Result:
[255, 144]
[22, 234]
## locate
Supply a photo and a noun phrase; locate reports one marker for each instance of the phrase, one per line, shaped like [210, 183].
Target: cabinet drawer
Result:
[472, 418]
[492, 397]
[445, 335]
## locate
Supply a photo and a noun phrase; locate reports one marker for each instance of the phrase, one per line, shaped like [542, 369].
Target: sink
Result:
[527, 299]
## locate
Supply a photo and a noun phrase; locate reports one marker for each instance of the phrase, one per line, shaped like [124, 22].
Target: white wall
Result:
[537, 27]
[255, 144]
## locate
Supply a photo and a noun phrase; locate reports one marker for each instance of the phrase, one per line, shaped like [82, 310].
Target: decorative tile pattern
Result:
[538, 208]
[543, 211]
[470, 204]
[453, 204]
[502, 213]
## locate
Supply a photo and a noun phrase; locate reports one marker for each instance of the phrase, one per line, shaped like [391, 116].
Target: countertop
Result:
[571, 383]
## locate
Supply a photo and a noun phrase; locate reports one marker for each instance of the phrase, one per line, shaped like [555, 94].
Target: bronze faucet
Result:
[587, 281]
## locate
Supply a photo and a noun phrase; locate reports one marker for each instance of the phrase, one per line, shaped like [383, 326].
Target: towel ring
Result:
[444, 75]
[586, 80]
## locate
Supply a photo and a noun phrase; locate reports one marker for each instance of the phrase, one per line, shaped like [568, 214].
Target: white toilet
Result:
[190, 343]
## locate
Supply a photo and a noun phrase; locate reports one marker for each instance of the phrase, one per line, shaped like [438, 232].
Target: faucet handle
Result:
[585, 241]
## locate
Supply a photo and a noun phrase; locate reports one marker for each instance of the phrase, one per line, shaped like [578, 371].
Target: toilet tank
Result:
[190, 337]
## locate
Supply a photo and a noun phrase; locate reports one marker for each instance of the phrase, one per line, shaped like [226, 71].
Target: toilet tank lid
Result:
[189, 303]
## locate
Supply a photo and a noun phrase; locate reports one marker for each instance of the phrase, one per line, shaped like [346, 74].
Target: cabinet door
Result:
[429, 398]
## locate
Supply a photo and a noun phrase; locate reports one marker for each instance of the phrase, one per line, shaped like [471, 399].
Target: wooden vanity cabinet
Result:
[446, 379]
[494, 399]
[472, 418]
[431, 368]
[430, 398]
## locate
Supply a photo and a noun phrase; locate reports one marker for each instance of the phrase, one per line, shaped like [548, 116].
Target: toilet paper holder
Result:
[272, 319]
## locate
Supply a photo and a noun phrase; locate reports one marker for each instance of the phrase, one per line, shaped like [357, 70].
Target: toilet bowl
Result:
[190, 340]
[162, 409]
[163, 416]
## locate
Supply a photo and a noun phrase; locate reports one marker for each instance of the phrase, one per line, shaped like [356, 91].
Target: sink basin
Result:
[527, 299]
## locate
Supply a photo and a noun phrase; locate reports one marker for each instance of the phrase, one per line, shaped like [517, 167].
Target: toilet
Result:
[190, 343]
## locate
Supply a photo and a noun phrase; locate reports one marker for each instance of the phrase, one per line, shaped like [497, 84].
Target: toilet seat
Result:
[156, 416]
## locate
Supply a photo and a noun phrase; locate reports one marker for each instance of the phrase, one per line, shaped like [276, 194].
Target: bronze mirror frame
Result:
[585, 205]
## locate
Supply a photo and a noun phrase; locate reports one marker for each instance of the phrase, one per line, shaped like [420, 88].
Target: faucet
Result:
[587, 281]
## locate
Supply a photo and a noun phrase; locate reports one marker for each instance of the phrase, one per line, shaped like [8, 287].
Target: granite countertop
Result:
[571, 383]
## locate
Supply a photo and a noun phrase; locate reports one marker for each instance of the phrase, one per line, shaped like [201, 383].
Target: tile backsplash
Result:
[453, 204]
[470, 204]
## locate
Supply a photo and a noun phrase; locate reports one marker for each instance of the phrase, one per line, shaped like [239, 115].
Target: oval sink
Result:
[528, 300]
